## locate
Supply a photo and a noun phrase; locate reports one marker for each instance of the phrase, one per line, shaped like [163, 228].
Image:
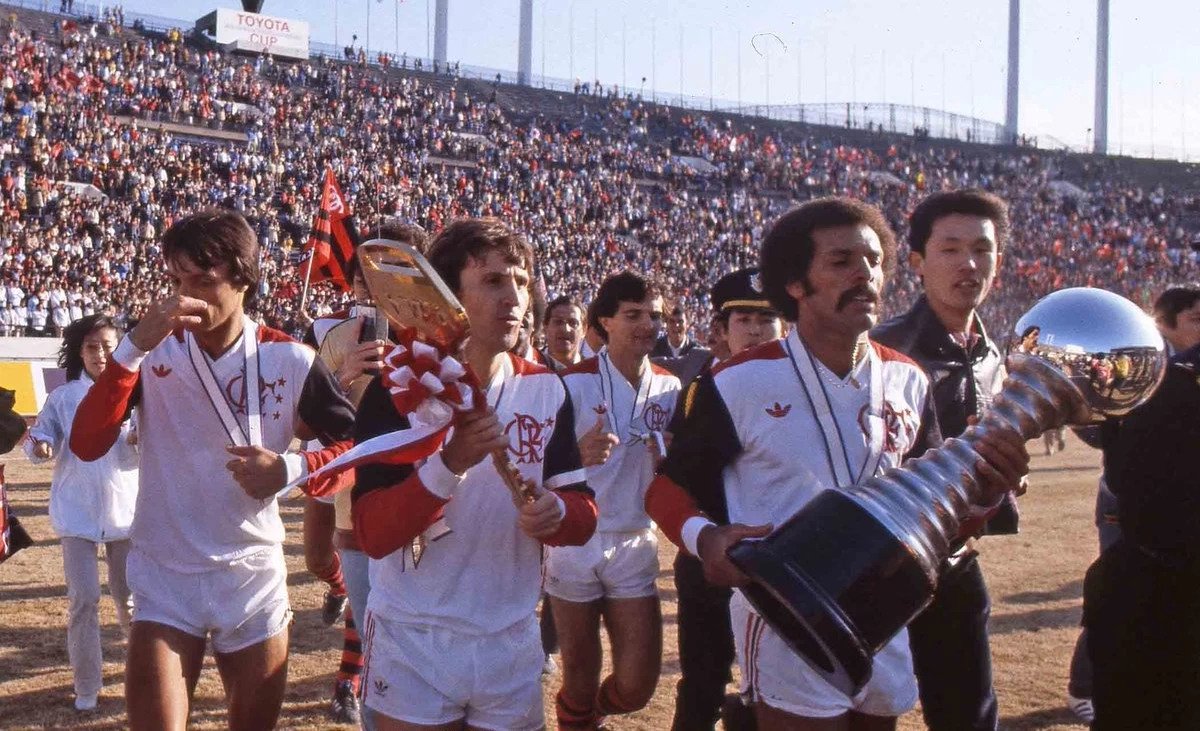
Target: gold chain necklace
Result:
[832, 377]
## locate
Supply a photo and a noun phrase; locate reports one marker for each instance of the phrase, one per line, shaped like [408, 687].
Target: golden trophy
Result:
[411, 295]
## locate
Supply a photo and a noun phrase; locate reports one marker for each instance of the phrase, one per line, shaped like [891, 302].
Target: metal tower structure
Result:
[441, 30]
[1100, 125]
[1014, 70]
[525, 45]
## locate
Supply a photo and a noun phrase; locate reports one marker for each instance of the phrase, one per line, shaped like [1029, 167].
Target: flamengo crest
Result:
[527, 438]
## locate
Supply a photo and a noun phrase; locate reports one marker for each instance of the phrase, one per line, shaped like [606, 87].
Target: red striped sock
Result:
[573, 718]
[609, 701]
[352, 660]
[332, 575]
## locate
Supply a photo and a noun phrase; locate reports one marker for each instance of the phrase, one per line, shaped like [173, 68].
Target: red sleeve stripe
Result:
[579, 522]
[887, 354]
[271, 335]
[389, 519]
[670, 506]
[331, 482]
[98, 420]
[523, 367]
[591, 365]
[766, 351]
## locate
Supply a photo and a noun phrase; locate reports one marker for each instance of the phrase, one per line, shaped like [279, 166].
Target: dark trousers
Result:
[705, 647]
[1079, 683]
[1143, 636]
[951, 656]
[546, 624]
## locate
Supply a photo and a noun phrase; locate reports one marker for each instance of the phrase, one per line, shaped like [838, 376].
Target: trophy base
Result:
[836, 585]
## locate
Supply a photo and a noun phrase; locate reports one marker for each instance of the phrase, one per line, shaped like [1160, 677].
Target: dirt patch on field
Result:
[1035, 579]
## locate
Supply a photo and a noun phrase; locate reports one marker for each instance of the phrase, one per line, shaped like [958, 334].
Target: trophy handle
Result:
[522, 492]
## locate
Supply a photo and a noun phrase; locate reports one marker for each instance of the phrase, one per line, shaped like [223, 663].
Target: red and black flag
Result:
[333, 239]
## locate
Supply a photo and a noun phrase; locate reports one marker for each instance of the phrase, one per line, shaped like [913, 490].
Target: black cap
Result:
[741, 289]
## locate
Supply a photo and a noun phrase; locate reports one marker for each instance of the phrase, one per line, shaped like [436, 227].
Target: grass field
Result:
[1035, 578]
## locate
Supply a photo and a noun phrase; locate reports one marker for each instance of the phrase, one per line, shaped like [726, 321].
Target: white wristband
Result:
[297, 469]
[690, 532]
[128, 355]
[437, 477]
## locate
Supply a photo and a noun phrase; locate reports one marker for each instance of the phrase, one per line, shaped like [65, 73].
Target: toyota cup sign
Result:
[256, 33]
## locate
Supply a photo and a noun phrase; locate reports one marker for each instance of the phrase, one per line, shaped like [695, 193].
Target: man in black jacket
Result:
[956, 239]
[676, 342]
[1141, 605]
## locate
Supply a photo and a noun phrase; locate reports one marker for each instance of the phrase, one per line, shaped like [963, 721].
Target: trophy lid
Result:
[1110, 350]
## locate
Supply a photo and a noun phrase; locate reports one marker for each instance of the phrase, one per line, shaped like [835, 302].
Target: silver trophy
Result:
[840, 578]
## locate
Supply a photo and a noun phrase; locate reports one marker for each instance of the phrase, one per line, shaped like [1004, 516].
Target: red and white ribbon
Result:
[427, 387]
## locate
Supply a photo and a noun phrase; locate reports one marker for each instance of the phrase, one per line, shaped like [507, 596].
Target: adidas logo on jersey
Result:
[161, 370]
[779, 411]
[601, 409]
[381, 686]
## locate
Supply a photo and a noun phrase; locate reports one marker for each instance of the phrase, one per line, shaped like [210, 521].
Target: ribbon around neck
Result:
[428, 387]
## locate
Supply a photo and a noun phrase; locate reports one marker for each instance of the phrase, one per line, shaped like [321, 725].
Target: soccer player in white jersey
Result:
[623, 403]
[451, 632]
[207, 558]
[755, 429]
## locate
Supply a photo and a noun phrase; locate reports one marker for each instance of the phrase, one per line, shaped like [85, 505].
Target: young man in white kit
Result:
[452, 637]
[823, 408]
[623, 404]
[207, 554]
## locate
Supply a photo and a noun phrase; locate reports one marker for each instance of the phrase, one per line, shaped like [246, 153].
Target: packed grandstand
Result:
[110, 133]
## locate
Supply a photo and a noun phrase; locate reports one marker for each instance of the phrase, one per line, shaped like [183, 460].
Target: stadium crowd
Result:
[613, 183]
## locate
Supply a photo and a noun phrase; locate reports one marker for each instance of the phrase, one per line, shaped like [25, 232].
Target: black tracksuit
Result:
[1141, 602]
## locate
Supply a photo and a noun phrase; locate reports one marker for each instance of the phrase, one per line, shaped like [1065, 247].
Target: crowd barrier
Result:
[29, 366]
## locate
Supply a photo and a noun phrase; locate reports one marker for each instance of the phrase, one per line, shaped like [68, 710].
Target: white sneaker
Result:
[1082, 708]
[549, 667]
[85, 702]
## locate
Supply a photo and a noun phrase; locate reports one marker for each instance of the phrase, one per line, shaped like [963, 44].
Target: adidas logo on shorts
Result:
[381, 686]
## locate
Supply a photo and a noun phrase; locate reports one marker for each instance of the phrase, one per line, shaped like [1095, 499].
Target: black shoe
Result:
[736, 715]
[333, 609]
[344, 706]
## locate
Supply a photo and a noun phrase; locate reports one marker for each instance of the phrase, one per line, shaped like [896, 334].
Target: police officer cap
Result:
[741, 289]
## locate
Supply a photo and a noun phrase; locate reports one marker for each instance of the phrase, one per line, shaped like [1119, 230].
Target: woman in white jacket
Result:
[91, 503]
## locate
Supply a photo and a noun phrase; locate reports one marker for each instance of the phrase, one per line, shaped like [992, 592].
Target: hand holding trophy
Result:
[415, 300]
[854, 567]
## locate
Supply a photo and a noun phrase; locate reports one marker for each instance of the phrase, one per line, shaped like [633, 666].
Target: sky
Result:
[942, 54]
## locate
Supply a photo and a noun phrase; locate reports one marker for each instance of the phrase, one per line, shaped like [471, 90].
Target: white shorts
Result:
[615, 565]
[241, 603]
[773, 674]
[429, 675]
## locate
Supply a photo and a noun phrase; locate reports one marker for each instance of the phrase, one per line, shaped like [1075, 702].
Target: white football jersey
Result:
[485, 575]
[190, 511]
[775, 427]
[600, 393]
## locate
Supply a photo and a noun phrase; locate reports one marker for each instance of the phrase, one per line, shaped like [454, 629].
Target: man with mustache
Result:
[564, 333]
[824, 408]
[956, 239]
